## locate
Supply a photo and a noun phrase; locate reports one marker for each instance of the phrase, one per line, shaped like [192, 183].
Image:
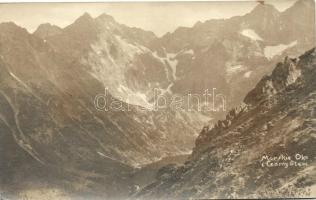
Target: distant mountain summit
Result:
[46, 30]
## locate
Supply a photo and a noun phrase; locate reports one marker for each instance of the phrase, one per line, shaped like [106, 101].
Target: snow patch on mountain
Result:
[103, 155]
[187, 51]
[109, 61]
[161, 59]
[173, 62]
[234, 69]
[169, 59]
[167, 90]
[251, 34]
[24, 85]
[271, 51]
[135, 98]
[19, 80]
[247, 74]
[128, 48]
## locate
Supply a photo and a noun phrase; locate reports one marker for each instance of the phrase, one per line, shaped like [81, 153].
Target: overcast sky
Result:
[159, 17]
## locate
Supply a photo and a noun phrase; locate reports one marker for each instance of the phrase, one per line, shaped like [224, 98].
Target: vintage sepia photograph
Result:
[158, 100]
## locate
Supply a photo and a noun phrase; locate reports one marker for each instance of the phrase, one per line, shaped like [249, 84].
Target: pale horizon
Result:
[145, 15]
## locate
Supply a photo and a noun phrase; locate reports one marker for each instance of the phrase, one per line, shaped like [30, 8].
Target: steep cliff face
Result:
[236, 158]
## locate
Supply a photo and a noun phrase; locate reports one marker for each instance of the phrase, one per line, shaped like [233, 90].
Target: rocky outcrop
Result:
[283, 75]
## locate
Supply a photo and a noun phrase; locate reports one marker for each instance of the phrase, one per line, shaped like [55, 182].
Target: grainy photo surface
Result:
[157, 100]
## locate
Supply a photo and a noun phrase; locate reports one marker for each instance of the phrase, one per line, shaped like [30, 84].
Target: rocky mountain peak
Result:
[85, 17]
[284, 75]
[84, 20]
[105, 17]
[11, 27]
[46, 30]
[264, 9]
[13, 34]
[84, 27]
[303, 4]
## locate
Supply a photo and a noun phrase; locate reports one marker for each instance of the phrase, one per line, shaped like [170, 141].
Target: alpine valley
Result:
[56, 144]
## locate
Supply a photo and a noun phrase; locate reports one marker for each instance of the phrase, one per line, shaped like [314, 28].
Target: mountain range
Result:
[53, 138]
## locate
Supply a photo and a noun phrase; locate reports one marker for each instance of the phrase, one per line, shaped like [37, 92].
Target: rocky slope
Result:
[278, 119]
